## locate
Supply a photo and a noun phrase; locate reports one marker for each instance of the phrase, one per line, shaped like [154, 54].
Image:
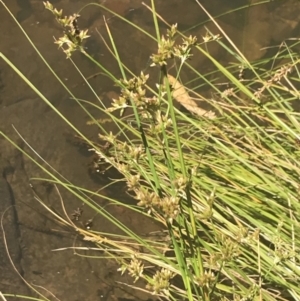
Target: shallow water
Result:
[62, 273]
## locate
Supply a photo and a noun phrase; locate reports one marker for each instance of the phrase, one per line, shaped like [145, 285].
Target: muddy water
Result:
[31, 232]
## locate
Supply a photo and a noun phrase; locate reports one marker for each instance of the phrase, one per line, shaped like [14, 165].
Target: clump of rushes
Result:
[224, 186]
[190, 174]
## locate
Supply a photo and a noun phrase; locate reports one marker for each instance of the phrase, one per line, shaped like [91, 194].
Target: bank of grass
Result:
[224, 189]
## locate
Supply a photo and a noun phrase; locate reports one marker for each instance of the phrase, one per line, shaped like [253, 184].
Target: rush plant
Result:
[221, 176]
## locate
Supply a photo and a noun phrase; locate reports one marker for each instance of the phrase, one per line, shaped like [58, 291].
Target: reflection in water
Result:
[25, 10]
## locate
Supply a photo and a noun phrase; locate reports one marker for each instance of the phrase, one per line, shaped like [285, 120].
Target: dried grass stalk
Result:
[181, 95]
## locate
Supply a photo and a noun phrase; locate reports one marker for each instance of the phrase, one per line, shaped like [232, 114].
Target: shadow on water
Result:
[31, 233]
